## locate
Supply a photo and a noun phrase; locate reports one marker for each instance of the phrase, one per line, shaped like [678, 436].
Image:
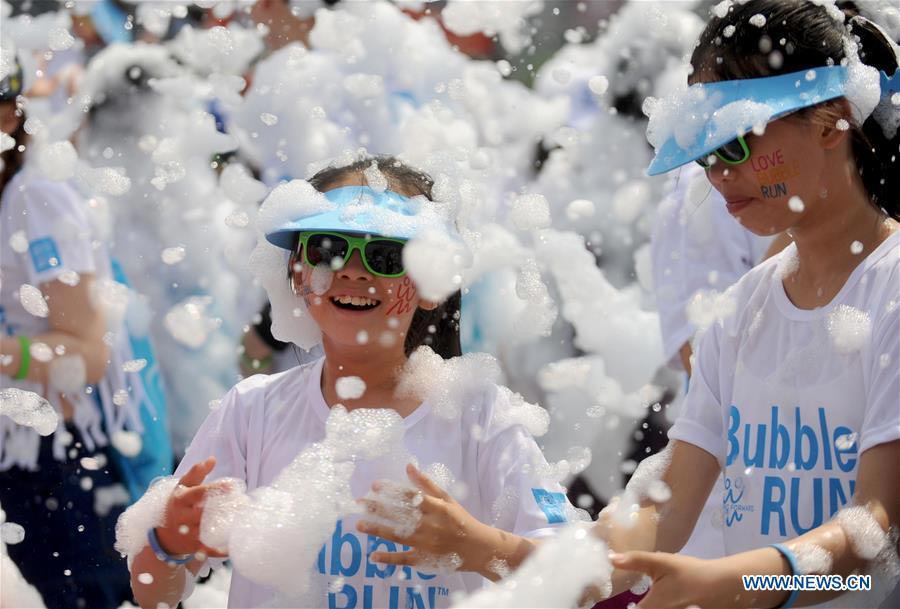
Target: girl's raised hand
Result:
[180, 532]
[429, 520]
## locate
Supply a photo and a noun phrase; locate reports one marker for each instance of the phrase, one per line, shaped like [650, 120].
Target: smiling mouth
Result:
[354, 303]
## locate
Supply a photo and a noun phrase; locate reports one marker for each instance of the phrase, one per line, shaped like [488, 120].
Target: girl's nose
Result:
[354, 268]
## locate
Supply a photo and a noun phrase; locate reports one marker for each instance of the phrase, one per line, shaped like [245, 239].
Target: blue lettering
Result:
[337, 549]
[826, 445]
[320, 562]
[836, 497]
[414, 598]
[780, 447]
[348, 592]
[772, 506]
[394, 597]
[848, 465]
[734, 423]
[758, 459]
[795, 508]
[373, 569]
[802, 431]
[367, 596]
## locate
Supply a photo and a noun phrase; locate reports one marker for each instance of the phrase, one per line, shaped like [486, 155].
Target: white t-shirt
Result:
[45, 231]
[264, 422]
[788, 399]
[696, 245]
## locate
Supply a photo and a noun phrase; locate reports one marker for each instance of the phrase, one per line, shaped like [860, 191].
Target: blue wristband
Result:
[164, 556]
[792, 561]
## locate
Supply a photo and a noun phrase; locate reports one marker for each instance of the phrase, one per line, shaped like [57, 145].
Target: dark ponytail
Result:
[799, 35]
[438, 328]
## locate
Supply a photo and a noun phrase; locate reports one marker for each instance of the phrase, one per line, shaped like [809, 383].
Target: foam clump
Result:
[446, 384]
[866, 536]
[286, 520]
[288, 201]
[514, 410]
[575, 558]
[366, 433]
[33, 301]
[15, 591]
[149, 512]
[223, 502]
[350, 387]
[57, 161]
[188, 323]
[707, 307]
[68, 373]
[530, 211]
[812, 559]
[435, 262]
[400, 503]
[29, 409]
[849, 329]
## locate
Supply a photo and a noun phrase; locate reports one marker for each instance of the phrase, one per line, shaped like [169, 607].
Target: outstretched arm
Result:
[680, 581]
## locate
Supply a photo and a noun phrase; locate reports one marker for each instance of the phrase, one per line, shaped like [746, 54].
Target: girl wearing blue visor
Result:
[371, 319]
[795, 396]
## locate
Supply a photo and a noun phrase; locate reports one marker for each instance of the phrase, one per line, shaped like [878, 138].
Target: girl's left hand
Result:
[680, 581]
[444, 526]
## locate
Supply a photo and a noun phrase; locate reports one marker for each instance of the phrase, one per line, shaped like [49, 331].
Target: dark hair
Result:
[438, 328]
[14, 158]
[798, 35]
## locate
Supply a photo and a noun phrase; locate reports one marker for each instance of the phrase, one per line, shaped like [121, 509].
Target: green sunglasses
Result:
[734, 152]
[382, 256]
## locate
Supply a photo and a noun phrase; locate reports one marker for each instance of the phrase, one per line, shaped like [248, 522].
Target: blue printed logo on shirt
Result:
[44, 254]
[552, 504]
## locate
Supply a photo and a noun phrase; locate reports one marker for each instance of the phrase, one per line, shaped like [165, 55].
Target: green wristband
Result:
[24, 358]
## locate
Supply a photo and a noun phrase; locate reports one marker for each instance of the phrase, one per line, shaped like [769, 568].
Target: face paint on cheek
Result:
[774, 191]
[405, 295]
[773, 169]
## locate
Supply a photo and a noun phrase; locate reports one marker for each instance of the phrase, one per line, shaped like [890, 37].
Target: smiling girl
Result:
[346, 264]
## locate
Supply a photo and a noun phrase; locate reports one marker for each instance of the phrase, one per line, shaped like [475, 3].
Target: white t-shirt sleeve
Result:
[57, 225]
[881, 423]
[514, 479]
[222, 435]
[702, 418]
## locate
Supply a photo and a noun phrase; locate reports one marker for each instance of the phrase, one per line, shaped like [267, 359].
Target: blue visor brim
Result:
[720, 111]
[357, 210]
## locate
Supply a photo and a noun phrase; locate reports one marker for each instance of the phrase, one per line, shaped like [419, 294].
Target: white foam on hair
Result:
[291, 321]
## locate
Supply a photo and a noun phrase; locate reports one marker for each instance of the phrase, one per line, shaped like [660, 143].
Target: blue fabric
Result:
[156, 457]
[363, 222]
[109, 21]
[783, 94]
[67, 553]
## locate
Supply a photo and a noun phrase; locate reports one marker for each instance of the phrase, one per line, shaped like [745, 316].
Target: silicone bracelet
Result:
[24, 358]
[164, 556]
[792, 561]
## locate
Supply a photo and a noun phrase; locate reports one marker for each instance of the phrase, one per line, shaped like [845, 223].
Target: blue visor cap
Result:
[363, 211]
[731, 108]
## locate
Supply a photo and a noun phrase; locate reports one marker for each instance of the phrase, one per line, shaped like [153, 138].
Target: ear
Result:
[831, 136]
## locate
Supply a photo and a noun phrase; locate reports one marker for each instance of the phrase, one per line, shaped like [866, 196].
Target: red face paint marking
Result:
[767, 161]
[405, 295]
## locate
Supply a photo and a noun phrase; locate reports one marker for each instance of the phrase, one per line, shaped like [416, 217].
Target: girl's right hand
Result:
[180, 532]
